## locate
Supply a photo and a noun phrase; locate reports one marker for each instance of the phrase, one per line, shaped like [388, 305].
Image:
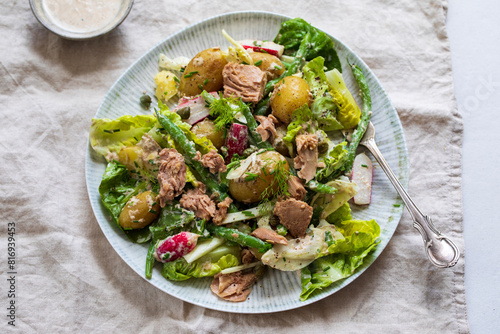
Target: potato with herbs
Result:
[289, 94]
[261, 179]
[139, 211]
[269, 64]
[206, 128]
[204, 72]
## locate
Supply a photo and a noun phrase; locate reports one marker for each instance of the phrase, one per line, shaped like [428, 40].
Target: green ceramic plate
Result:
[277, 291]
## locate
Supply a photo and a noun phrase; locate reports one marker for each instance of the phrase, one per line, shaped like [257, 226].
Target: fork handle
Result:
[440, 250]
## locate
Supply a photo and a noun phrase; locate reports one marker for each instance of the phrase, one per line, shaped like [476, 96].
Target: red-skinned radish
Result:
[198, 109]
[175, 246]
[261, 46]
[236, 140]
[362, 175]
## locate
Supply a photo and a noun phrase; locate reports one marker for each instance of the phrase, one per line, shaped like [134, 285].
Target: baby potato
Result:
[203, 71]
[271, 65]
[206, 128]
[289, 94]
[139, 211]
[250, 190]
[128, 155]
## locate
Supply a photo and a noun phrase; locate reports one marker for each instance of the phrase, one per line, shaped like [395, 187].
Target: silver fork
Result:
[440, 250]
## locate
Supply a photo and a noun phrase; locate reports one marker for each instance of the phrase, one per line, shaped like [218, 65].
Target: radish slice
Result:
[175, 246]
[236, 140]
[197, 107]
[265, 47]
[362, 175]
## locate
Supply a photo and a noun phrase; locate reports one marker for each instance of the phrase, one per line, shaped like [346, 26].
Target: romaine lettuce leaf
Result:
[345, 256]
[358, 234]
[328, 269]
[110, 135]
[116, 188]
[333, 160]
[348, 113]
[341, 214]
[211, 264]
[294, 31]
[301, 119]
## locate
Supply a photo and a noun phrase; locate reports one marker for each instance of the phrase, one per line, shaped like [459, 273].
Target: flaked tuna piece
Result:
[307, 156]
[214, 162]
[267, 127]
[235, 287]
[171, 175]
[294, 215]
[197, 201]
[269, 235]
[221, 214]
[296, 188]
[247, 82]
[247, 256]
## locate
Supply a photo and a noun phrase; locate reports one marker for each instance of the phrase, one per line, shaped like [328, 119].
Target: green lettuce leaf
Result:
[358, 234]
[116, 188]
[341, 214]
[211, 264]
[328, 269]
[334, 160]
[301, 119]
[293, 31]
[348, 113]
[110, 135]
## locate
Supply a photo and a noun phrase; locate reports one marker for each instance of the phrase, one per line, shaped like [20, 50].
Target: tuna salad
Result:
[247, 164]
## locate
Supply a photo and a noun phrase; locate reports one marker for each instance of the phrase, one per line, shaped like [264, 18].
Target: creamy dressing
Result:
[82, 16]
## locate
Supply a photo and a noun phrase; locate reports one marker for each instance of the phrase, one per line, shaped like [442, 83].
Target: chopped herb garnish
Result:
[248, 213]
[190, 74]
[258, 63]
[200, 87]
[176, 79]
[108, 131]
[364, 166]
[284, 259]
[276, 67]
[205, 82]
[152, 211]
[396, 205]
[251, 176]
[182, 69]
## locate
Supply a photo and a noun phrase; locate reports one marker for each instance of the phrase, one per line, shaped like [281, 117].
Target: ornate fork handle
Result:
[440, 250]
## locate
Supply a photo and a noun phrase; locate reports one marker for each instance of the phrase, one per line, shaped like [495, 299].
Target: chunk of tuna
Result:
[214, 162]
[296, 188]
[294, 215]
[221, 214]
[307, 156]
[197, 201]
[269, 235]
[171, 175]
[267, 127]
[234, 287]
[244, 81]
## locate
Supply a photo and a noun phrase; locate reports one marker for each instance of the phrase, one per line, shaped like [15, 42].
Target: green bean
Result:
[321, 188]
[190, 154]
[366, 113]
[150, 260]
[240, 238]
[252, 129]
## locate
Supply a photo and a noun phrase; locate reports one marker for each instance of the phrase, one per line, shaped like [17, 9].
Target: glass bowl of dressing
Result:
[80, 19]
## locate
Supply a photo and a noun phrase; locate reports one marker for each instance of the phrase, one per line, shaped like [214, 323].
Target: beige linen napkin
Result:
[70, 279]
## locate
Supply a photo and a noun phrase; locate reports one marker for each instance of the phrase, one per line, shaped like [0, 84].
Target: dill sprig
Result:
[279, 187]
[224, 109]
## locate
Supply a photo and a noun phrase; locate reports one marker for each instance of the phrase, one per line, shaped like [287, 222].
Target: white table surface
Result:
[474, 32]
